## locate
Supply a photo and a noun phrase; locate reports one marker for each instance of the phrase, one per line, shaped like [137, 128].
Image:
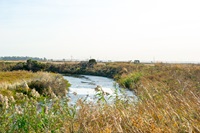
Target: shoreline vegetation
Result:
[168, 98]
[32, 85]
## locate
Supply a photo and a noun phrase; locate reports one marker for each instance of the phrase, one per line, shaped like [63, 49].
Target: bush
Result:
[50, 85]
[130, 81]
[30, 65]
[92, 61]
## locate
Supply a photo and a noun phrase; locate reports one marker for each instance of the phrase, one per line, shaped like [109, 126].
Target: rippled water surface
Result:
[82, 86]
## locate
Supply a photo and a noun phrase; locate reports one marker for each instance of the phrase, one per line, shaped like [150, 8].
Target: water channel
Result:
[83, 87]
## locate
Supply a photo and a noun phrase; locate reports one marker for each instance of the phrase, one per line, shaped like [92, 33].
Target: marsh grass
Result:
[23, 83]
[12, 77]
[161, 112]
[176, 114]
[168, 101]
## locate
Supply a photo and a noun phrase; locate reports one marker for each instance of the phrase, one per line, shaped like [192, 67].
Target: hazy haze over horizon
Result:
[107, 29]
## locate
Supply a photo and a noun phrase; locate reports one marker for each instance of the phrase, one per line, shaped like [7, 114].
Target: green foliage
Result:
[92, 61]
[131, 80]
[28, 117]
[30, 65]
[90, 68]
[34, 65]
[101, 97]
[38, 85]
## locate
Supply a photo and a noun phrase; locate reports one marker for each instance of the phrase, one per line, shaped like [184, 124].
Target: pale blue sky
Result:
[167, 30]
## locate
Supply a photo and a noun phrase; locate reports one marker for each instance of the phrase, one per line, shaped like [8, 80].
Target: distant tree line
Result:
[15, 58]
[29, 65]
[90, 67]
[87, 67]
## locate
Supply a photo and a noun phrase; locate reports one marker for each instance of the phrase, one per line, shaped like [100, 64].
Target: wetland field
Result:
[42, 97]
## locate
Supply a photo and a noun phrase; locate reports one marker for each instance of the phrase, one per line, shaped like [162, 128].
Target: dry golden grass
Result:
[168, 102]
[158, 112]
[25, 83]
[15, 76]
[169, 97]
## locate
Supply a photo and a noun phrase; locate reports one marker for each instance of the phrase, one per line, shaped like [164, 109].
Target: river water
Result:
[82, 87]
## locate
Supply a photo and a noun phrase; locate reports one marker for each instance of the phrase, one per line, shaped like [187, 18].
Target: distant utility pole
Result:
[71, 57]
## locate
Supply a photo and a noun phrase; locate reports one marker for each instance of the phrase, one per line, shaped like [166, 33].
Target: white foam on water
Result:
[108, 90]
[87, 91]
[82, 91]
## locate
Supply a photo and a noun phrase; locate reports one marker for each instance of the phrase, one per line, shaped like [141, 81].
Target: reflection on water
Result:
[83, 87]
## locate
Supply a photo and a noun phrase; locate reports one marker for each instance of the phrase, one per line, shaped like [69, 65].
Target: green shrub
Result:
[131, 80]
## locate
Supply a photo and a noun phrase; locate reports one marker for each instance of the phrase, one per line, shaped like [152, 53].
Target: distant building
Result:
[136, 61]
